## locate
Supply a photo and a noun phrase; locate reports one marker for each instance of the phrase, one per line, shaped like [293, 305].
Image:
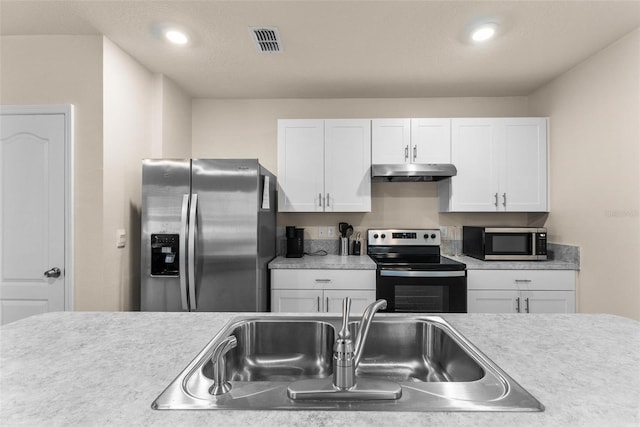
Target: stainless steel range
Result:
[412, 275]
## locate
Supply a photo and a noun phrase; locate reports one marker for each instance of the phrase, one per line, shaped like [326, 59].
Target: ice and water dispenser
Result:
[165, 254]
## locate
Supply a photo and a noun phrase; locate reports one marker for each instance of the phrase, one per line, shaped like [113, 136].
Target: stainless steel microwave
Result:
[505, 243]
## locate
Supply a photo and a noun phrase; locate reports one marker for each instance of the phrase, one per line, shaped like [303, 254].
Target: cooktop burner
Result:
[415, 249]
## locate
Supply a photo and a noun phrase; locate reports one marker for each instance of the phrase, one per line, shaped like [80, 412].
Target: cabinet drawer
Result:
[522, 279]
[323, 279]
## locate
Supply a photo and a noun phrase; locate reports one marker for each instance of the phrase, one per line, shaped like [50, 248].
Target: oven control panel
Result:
[395, 237]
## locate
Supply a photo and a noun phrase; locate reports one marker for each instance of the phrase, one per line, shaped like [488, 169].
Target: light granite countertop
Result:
[364, 262]
[331, 262]
[78, 369]
[477, 264]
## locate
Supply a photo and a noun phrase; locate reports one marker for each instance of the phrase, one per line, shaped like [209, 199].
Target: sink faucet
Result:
[346, 355]
[220, 383]
[346, 358]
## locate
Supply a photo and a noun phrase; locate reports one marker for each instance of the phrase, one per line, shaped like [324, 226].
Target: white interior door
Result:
[33, 202]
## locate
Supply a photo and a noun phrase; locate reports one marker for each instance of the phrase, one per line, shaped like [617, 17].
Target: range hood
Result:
[411, 172]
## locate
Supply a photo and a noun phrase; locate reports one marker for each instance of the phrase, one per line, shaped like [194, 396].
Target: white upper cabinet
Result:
[300, 165]
[324, 165]
[431, 140]
[390, 141]
[398, 141]
[502, 166]
[525, 177]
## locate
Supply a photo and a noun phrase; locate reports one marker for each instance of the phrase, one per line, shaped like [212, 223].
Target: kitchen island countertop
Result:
[81, 368]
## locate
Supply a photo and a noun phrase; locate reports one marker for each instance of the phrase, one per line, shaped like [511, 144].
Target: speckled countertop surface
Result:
[332, 262]
[363, 262]
[477, 264]
[68, 369]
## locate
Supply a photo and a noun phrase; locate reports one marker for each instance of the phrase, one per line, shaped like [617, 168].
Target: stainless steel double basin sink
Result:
[437, 368]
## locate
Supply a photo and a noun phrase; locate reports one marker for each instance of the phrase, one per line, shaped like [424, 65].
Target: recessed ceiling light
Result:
[484, 32]
[176, 37]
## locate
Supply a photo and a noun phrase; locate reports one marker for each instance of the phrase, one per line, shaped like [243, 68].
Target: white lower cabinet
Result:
[321, 291]
[521, 291]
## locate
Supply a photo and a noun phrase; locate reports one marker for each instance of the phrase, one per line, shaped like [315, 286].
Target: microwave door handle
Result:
[193, 226]
[182, 259]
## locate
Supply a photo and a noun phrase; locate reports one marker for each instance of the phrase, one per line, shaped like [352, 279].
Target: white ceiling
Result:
[343, 49]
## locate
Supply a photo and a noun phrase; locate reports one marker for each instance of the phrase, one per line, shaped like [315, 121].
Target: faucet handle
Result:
[344, 331]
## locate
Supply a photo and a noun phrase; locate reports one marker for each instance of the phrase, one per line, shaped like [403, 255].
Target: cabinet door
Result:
[347, 170]
[473, 151]
[493, 301]
[549, 302]
[300, 165]
[390, 141]
[524, 177]
[430, 141]
[295, 301]
[359, 300]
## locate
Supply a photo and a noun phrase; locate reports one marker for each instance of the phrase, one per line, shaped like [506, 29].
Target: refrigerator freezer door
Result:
[227, 235]
[164, 184]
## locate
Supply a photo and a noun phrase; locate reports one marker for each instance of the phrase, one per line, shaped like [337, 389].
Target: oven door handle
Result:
[407, 273]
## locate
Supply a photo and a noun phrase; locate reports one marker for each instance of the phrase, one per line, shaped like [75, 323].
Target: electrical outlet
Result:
[322, 232]
[331, 232]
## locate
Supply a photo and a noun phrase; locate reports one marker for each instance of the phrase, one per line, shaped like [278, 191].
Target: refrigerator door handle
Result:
[192, 251]
[183, 252]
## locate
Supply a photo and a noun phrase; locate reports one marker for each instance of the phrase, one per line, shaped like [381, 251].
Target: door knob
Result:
[53, 273]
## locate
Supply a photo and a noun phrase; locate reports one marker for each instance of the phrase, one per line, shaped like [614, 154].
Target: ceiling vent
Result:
[267, 39]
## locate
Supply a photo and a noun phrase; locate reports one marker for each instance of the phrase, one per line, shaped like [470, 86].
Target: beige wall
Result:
[175, 121]
[248, 128]
[145, 115]
[123, 113]
[129, 107]
[595, 178]
[67, 70]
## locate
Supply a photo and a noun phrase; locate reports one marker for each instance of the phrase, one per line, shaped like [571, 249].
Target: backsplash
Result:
[566, 253]
[450, 245]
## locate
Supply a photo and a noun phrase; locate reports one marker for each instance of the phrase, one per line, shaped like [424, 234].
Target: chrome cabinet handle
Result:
[327, 200]
[326, 307]
[518, 305]
[406, 152]
[323, 280]
[496, 203]
[53, 273]
[318, 310]
[415, 152]
[526, 305]
[504, 200]
[320, 200]
[523, 280]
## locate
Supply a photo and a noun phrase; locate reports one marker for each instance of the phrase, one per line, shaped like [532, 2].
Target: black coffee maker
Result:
[295, 242]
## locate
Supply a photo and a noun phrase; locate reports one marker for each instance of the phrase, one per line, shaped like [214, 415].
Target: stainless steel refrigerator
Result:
[208, 233]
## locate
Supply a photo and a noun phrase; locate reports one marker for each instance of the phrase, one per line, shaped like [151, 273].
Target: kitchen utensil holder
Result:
[344, 246]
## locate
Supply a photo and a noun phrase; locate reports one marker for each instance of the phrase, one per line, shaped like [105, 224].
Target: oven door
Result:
[411, 291]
